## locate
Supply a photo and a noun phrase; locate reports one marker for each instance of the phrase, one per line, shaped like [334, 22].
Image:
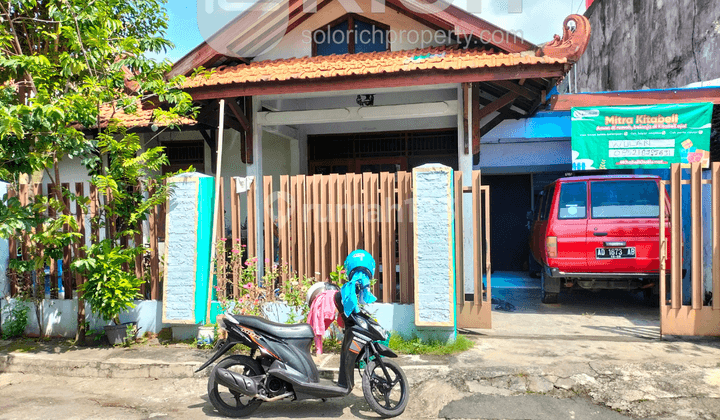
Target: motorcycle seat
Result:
[301, 331]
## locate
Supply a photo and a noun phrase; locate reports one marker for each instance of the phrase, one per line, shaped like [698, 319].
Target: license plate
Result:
[612, 253]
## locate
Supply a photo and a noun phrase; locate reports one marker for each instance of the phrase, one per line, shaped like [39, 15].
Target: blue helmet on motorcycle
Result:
[360, 268]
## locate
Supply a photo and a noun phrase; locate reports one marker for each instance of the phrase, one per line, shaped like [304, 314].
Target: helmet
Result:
[360, 261]
[313, 292]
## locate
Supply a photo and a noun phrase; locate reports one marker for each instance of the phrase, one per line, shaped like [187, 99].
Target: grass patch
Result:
[418, 346]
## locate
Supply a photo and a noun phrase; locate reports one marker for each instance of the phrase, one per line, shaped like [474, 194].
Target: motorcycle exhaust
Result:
[236, 382]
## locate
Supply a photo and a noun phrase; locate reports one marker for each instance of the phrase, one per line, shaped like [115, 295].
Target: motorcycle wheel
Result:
[230, 403]
[387, 396]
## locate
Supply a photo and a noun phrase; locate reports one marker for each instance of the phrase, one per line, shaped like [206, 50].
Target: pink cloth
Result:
[322, 314]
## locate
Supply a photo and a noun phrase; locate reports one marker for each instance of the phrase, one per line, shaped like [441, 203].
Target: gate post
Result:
[434, 251]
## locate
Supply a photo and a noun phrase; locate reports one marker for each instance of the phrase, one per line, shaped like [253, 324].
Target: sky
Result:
[538, 21]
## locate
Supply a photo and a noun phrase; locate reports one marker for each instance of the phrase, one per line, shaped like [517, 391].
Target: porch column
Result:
[255, 169]
[465, 166]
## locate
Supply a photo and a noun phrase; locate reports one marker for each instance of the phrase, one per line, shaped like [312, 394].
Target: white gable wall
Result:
[299, 44]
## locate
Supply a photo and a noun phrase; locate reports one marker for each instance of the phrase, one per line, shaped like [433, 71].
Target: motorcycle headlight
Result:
[361, 322]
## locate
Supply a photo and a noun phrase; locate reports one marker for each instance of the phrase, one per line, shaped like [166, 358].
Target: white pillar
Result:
[465, 166]
[256, 170]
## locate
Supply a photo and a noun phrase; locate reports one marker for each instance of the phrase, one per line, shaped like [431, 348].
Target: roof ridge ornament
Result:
[572, 45]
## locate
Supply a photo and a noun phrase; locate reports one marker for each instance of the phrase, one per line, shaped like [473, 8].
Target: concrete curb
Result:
[121, 368]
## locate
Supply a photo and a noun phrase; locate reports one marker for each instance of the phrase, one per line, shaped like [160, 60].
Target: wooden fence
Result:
[312, 222]
[700, 317]
[19, 247]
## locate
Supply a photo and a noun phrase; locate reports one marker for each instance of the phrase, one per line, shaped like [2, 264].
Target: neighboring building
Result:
[649, 45]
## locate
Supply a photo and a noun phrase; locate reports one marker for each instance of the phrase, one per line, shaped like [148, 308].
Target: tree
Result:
[66, 66]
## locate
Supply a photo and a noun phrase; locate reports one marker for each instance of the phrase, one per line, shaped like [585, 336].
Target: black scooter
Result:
[280, 366]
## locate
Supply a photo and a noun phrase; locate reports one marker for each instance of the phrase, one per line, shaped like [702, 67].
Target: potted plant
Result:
[108, 288]
[131, 186]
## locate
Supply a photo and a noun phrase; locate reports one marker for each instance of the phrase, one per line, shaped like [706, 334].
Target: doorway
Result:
[510, 200]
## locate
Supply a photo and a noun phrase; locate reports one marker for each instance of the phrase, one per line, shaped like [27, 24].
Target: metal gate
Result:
[700, 317]
[475, 313]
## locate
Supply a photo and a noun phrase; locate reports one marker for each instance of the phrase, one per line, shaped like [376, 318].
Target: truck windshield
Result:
[624, 199]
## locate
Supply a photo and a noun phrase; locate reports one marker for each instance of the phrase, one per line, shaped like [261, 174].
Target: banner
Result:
[648, 136]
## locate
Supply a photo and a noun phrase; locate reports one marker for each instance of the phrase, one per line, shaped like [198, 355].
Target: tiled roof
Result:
[362, 64]
[142, 117]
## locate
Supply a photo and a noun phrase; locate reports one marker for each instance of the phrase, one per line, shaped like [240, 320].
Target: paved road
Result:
[27, 396]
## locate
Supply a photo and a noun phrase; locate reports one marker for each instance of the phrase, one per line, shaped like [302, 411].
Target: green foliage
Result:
[339, 276]
[252, 298]
[63, 64]
[109, 289]
[418, 346]
[16, 321]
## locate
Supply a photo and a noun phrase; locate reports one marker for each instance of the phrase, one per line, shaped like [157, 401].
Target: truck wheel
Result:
[547, 297]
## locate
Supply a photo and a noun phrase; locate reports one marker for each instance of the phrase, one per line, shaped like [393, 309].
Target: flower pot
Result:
[117, 334]
[206, 334]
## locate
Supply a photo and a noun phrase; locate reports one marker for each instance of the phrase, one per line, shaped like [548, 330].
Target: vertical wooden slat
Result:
[478, 236]
[313, 238]
[697, 235]
[235, 231]
[54, 284]
[221, 212]
[80, 253]
[283, 224]
[317, 235]
[459, 268]
[392, 242]
[94, 205]
[138, 241]
[269, 221]
[112, 227]
[66, 277]
[332, 222]
[716, 234]
[375, 190]
[12, 247]
[402, 236]
[357, 201]
[341, 222]
[292, 223]
[153, 233]
[301, 249]
[350, 212]
[384, 238]
[488, 268]
[663, 247]
[324, 222]
[411, 242]
[675, 224]
[25, 246]
[251, 218]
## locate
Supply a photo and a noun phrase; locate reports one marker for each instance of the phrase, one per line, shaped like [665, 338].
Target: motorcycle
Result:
[280, 365]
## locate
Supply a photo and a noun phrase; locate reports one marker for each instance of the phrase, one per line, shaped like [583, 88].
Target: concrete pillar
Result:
[187, 280]
[434, 228]
[465, 166]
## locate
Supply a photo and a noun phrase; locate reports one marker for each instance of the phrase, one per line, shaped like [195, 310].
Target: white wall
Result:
[298, 42]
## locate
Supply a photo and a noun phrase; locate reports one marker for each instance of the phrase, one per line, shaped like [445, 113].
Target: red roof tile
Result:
[142, 117]
[361, 64]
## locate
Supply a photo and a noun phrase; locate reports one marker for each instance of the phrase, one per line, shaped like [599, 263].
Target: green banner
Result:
[649, 136]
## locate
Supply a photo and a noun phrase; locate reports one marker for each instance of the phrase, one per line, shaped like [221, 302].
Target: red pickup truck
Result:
[599, 232]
